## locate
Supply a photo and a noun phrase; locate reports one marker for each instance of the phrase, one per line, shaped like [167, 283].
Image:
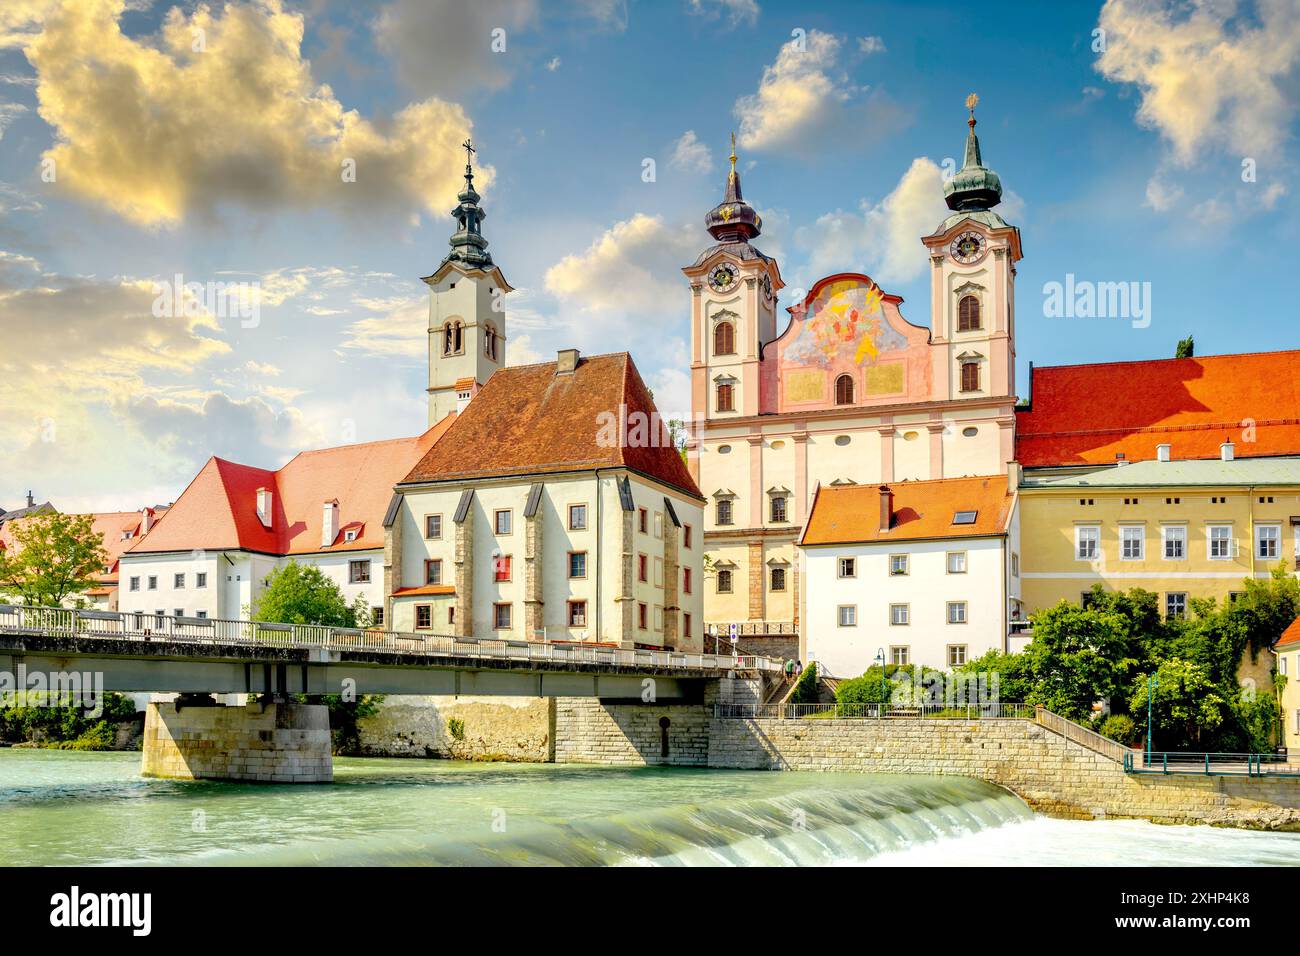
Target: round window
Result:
[911, 436]
[842, 440]
[970, 432]
[778, 444]
[724, 449]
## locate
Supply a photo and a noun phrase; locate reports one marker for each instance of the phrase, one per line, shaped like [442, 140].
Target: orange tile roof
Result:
[850, 514]
[527, 420]
[1086, 414]
[425, 589]
[109, 525]
[1290, 636]
[219, 508]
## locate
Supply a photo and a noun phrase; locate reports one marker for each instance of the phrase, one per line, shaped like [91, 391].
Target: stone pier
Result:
[195, 738]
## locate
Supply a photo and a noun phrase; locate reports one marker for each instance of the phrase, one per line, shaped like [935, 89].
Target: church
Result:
[846, 391]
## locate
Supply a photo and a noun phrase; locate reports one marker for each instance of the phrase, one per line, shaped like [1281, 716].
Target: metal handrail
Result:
[841, 711]
[141, 626]
[1211, 764]
[1094, 741]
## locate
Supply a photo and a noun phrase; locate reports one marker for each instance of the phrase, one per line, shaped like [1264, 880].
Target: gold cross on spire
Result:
[731, 176]
[469, 150]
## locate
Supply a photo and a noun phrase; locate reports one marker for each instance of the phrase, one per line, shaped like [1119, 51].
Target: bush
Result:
[1119, 727]
[805, 689]
[868, 688]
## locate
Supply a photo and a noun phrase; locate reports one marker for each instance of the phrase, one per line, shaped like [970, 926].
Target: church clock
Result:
[967, 247]
[723, 276]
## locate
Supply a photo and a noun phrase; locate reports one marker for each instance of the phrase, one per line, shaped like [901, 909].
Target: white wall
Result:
[927, 589]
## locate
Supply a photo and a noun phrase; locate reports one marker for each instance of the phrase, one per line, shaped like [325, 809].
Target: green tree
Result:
[1188, 710]
[870, 689]
[677, 434]
[805, 689]
[55, 556]
[1079, 656]
[1186, 348]
[302, 594]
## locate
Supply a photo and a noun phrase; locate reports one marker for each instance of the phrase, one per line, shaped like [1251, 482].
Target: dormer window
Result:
[350, 534]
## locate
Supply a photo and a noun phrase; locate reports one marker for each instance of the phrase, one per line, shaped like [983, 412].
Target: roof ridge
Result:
[581, 357]
[1191, 358]
[909, 482]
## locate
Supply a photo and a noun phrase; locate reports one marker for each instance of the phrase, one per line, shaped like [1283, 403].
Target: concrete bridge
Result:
[276, 739]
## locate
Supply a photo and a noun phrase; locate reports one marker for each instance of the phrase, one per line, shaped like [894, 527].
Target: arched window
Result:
[453, 336]
[724, 339]
[844, 390]
[726, 397]
[970, 376]
[490, 342]
[968, 314]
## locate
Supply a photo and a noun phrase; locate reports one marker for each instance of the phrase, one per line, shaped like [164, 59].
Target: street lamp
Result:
[1152, 683]
[880, 659]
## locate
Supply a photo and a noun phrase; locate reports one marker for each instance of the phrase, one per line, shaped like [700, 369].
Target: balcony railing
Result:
[147, 628]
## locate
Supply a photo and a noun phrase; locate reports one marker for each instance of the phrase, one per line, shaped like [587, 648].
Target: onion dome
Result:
[467, 243]
[733, 219]
[975, 187]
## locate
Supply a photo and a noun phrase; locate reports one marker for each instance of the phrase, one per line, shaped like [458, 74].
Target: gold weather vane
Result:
[972, 101]
[731, 176]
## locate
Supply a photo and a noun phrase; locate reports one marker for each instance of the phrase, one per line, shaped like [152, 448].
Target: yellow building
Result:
[1182, 529]
[1287, 650]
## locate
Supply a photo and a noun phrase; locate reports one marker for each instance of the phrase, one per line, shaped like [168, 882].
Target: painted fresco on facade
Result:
[844, 323]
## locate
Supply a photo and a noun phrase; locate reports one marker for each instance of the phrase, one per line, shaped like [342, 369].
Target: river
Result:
[94, 808]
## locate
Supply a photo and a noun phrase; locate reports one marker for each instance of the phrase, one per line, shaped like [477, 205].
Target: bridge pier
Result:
[195, 738]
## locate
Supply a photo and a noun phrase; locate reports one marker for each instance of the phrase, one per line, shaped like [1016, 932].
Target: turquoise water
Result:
[93, 808]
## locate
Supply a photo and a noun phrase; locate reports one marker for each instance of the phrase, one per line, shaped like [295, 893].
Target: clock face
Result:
[967, 247]
[768, 294]
[723, 276]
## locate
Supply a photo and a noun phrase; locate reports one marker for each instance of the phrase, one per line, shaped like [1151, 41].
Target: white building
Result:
[555, 507]
[211, 553]
[923, 572]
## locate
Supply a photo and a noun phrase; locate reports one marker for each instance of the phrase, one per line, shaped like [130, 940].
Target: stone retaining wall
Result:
[587, 731]
[491, 728]
[283, 743]
[1053, 775]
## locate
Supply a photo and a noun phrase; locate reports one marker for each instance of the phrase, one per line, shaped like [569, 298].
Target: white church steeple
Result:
[467, 316]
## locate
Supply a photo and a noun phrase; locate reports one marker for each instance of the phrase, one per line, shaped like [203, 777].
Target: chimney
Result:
[1014, 473]
[566, 361]
[329, 526]
[886, 508]
[146, 521]
[30, 500]
[1227, 451]
[264, 506]
[1162, 452]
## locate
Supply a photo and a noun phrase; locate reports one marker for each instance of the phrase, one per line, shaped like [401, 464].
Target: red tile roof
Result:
[850, 514]
[1086, 414]
[1290, 636]
[219, 508]
[528, 420]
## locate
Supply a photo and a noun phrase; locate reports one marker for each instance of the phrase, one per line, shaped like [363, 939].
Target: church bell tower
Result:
[467, 316]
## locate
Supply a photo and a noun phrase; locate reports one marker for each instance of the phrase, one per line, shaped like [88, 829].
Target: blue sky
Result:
[207, 142]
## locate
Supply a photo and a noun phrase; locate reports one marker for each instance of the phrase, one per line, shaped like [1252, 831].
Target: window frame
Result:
[964, 653]
[845, 389]
[1182, 614]
[772, 580]
[1171, 534]
[724, 334]
[963, 325]
[906, 566]
[496, 522]
[725, 397]
[904, 619]
[509, 609]
[430, 564]
[950, 606]
[973, 369]
[358, 567]
[427, 519]
[572, 509]
[783, 515]
[427, 609]
[1125, 539]
[1276, 541]
[583, 556]
[840, 615]
[503, 563]
[1211, 541]
[574, 606]
[846, 572]
[724, 574]
[1094, 533]
[948, 559]
[719, 505]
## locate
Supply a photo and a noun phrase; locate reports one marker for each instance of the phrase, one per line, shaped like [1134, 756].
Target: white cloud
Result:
[447, 48]
[155, 131]
[611, 15]
[553, 64]
[881, 239]
[690, 155]
[870, 45]
[805, 93]
[8, 113]
[398, 327]
[737, 11]
[1206, 76]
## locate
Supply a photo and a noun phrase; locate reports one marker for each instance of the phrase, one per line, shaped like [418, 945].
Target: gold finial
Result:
[731, 176]
[971, 102]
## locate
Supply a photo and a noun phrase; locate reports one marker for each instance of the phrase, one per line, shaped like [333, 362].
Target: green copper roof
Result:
[1157, 474]
[975, 186]
[986, 217]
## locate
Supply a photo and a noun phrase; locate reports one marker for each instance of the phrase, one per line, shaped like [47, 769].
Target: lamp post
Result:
[884, 696]
[1152, 683]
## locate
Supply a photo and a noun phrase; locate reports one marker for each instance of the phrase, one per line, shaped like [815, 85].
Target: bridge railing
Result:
[141, 626]
[838, 711]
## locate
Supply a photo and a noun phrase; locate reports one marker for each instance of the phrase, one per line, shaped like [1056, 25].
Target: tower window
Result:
[490, 338]
[968, 314]
[453, 338]
[726, 397]
[844, 390]
[724, 339]
[970, 376]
